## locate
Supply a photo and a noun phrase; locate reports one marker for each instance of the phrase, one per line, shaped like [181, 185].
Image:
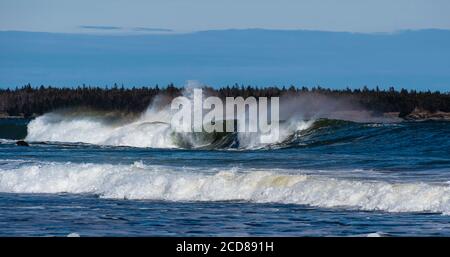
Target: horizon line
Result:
[136, 32]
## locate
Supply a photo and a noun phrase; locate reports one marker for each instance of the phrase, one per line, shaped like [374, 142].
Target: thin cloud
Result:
[152, 29]
[100, 27]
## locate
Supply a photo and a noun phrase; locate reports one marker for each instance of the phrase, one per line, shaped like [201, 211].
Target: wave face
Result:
[13, 129]
[139, 181]
[153, 130]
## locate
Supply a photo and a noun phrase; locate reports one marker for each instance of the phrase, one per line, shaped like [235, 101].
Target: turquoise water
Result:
[329, 178]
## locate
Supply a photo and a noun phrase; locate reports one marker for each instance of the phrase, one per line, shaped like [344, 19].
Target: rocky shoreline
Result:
[419, 115]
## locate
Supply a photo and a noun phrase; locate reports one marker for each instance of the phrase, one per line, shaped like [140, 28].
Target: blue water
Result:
[338, 178]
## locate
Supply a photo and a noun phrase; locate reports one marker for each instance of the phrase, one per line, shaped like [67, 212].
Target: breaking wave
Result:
[154, 130]
[56, 127]
[139, 181]
[151, 129]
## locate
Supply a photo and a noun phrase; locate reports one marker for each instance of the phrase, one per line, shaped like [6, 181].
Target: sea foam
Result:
[140, 181]
[152, 129]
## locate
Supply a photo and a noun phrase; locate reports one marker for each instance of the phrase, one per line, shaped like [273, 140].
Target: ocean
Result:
[92, 175]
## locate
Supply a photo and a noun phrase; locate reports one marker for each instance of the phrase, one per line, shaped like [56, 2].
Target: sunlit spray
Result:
[248, 115]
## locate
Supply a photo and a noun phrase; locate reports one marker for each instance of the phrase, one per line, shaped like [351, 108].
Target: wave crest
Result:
[152, 129]
[139, 181]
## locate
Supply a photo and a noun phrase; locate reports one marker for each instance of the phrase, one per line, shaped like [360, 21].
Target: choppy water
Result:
[326, 177]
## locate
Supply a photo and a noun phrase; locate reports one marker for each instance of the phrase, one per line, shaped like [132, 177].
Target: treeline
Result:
[29, 101]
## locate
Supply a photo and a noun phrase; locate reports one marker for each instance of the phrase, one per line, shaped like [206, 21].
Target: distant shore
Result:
[425, 115]
[29, 102]
[417, 115]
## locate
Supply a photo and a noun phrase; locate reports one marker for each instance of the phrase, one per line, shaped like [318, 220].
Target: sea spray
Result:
[155, 128]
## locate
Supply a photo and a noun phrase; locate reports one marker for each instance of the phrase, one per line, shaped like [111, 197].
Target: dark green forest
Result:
[29, 101]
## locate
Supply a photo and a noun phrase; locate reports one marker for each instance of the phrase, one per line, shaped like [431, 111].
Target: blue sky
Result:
[332, 43]
[139, 16]
[411, 59]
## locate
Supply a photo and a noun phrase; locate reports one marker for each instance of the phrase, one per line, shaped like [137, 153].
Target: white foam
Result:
[139, 181]
[151, 129]
[143, 132]
[7, 141]
[376, 234]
